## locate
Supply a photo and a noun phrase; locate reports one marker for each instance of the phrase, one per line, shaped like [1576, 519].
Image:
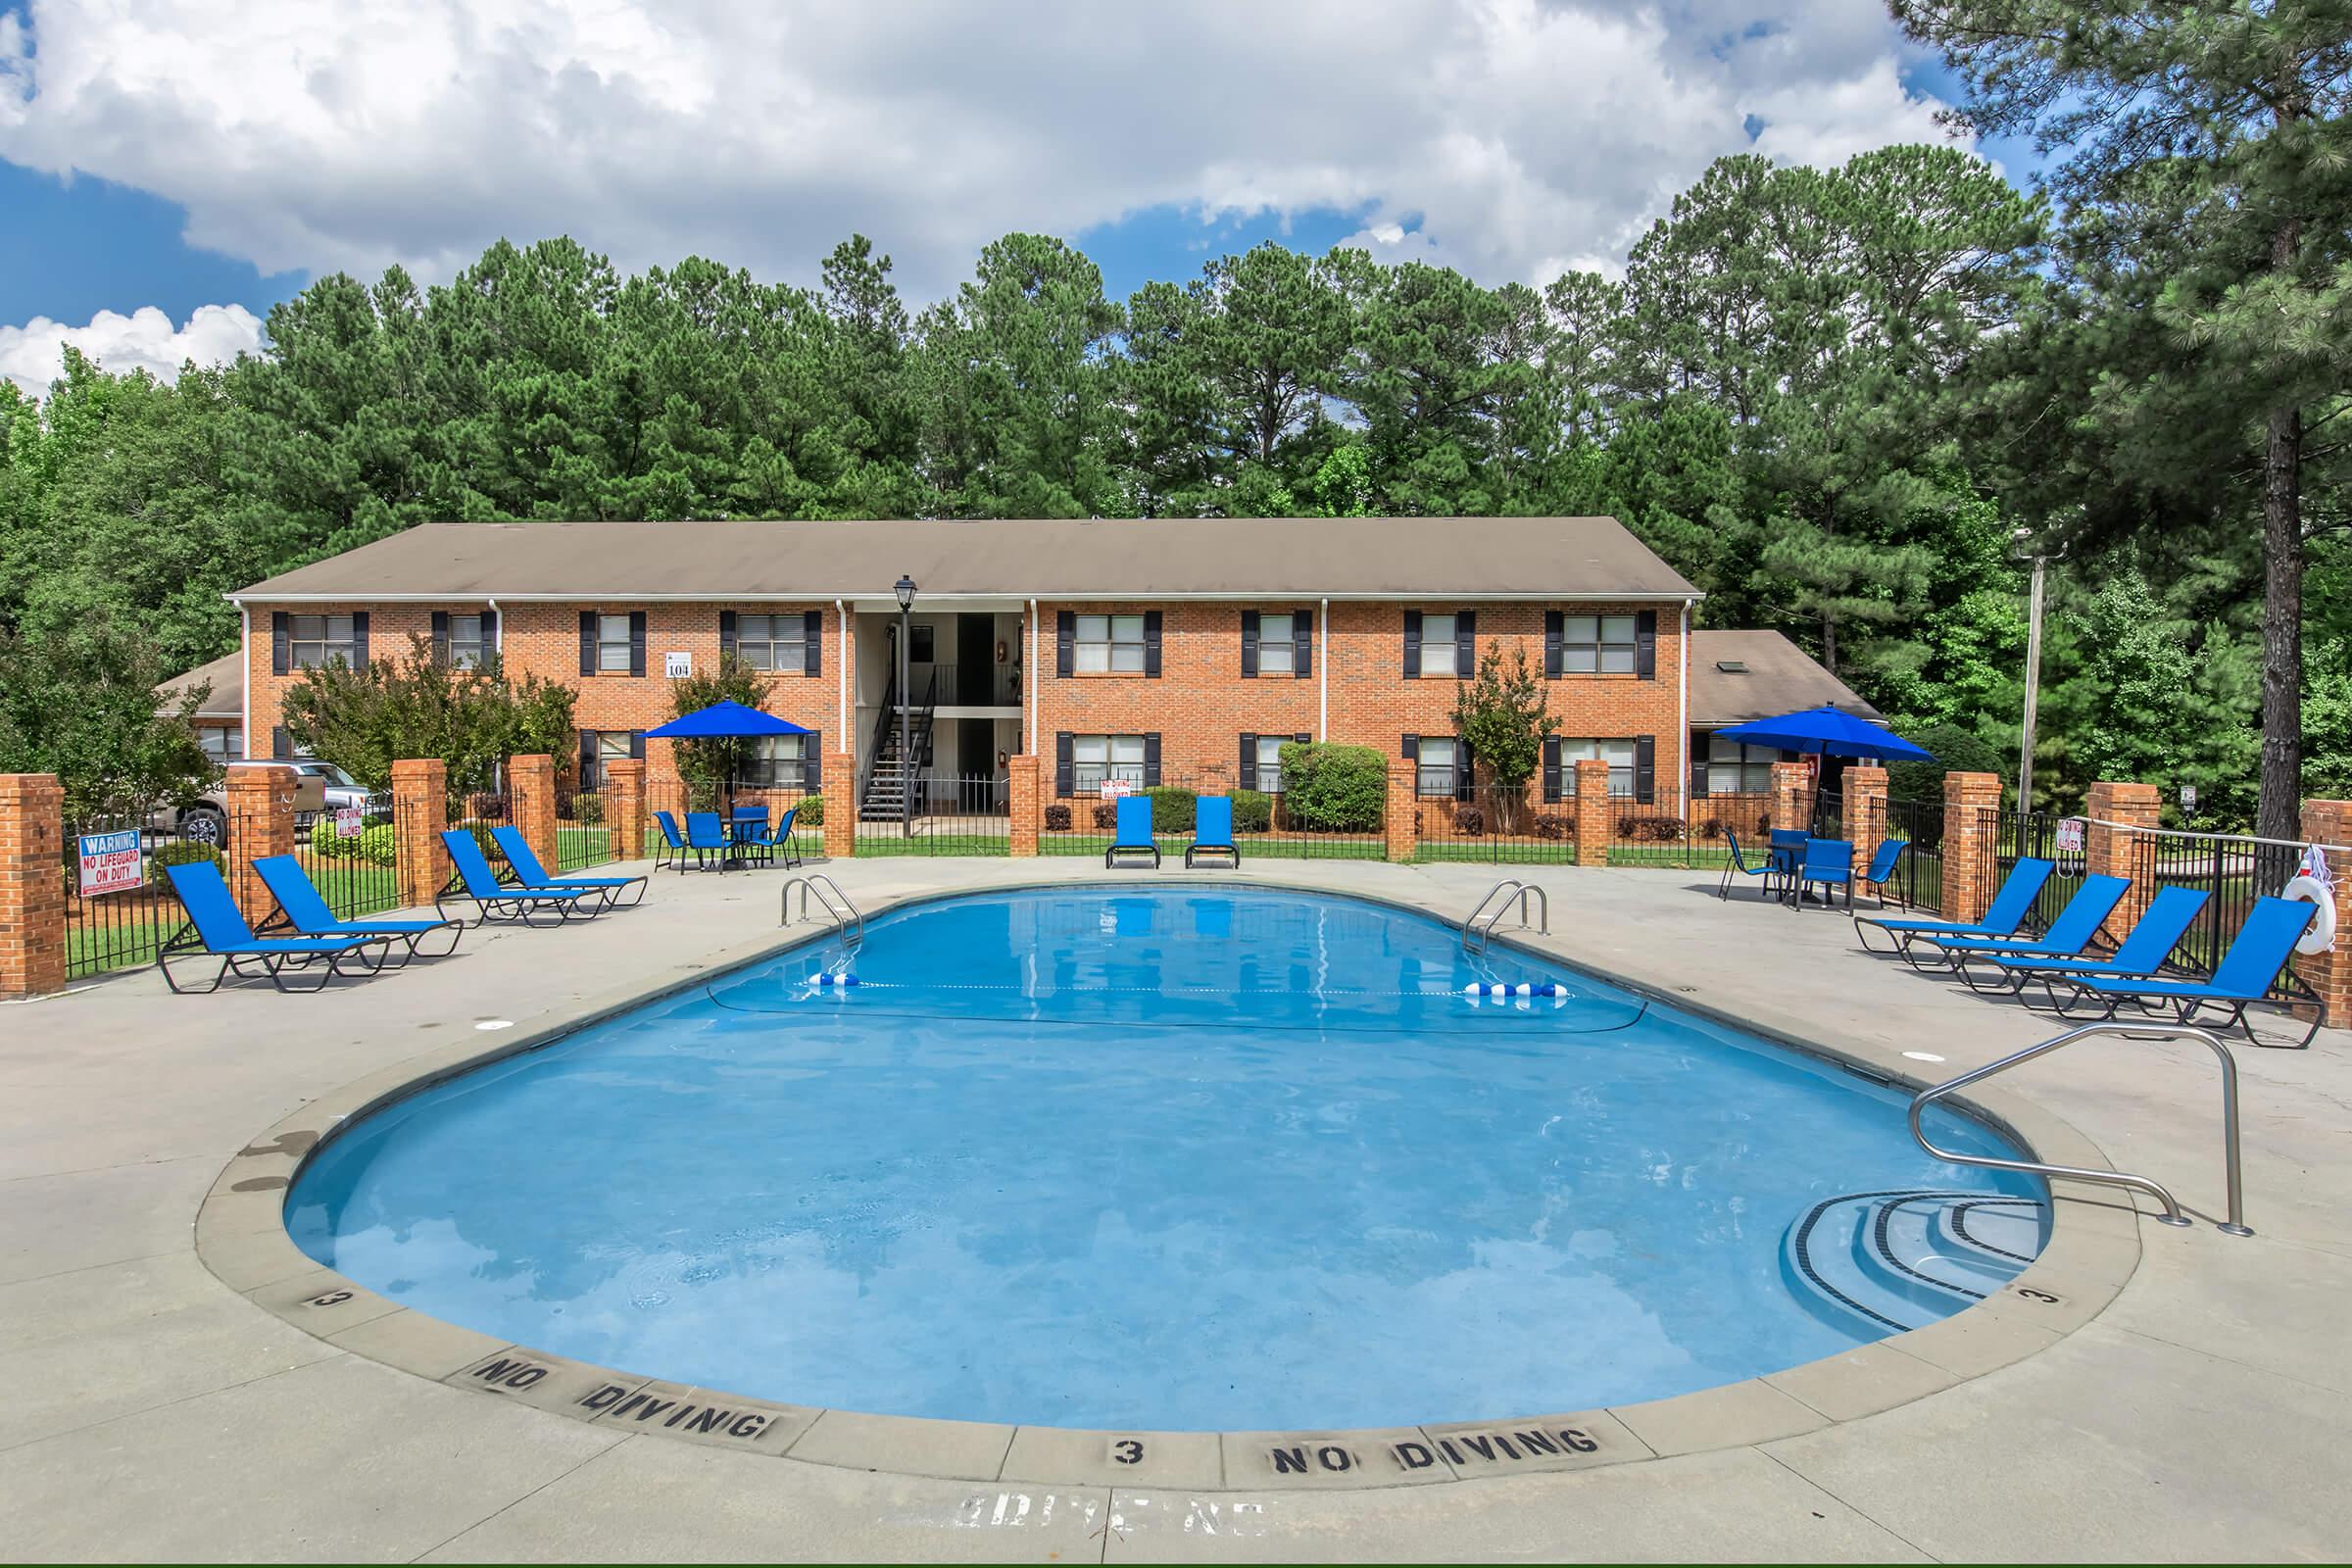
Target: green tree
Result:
[723, 760]
[1501, 713]
[415, 706]
[85, 704]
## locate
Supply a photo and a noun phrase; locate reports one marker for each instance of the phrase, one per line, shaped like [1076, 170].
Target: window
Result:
[223, 744]
[612, 645]
[1436, 653]
[1436, 753]
[1096, 758]
[774, 642]
[1619, 755]
[1114, 644]
[1737, 769]
[1277, 645]
[921, 646]
[313, 640]
[778, 762]
[1597, 645]
[466, 643]
[1269, 762]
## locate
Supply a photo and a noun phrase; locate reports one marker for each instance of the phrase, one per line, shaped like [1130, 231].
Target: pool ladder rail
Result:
[2235, 1225]
[838, 906]
[1497, 903]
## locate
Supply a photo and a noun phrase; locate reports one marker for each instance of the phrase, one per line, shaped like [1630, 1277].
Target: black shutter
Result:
[1249, 761]
[814, 629]
[1061, 752]
[1303, 737]
[440, 636]
[489, 630]
[281, 745]
[281, 657]
[587, 641]
[1152, 642]
[1411, 753]
[358, 639]
[1065, 647]
[1645, 768]
[636, 642]
[1249, 647]
[1645, 645]
[1302, 644]
[1553, 631]
[637, 745]
[1412, 645]
[1466, 645]
[1151, 760]
[1551, 768]
[726, 632]
[588, 759]
[813, 762]
[1465, 770]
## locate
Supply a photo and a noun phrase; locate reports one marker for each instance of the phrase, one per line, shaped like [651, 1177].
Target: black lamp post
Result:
[906, 592]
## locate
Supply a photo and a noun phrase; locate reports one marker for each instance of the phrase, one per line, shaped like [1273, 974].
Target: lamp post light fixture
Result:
[904, 589]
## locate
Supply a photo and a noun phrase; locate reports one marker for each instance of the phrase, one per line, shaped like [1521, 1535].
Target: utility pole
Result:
[2025, 755]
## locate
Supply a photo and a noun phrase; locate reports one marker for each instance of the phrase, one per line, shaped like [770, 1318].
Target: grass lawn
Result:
[107, 943]
[877, 847]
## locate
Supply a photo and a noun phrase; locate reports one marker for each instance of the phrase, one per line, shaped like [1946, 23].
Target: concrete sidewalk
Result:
[155, 1414]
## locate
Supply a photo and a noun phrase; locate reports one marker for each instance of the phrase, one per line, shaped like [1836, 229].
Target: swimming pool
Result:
[1191, 1156]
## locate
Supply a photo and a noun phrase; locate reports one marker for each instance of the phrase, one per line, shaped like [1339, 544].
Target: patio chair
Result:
[2074, 929]
[1738, 866]
[217, 930]
[1213, 831]
[2010, 908]
[782, 837]
[747, 825]
[475, 880]
[1879, 876]
[707, 838]
[303, 911]
[2144, 952]
[529, 873]
[1828, 864]
[2257, 955]
[672, 849]
[1131, 831]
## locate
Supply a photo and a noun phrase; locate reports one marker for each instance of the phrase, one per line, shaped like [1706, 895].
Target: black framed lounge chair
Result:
[2146, 949]
[2009, 910]
[474, 880]
[523, 860]
[217, 930]
[1213, 831]
[2075, 928]
[301, 910]
[1131, 832]
[2256, 956]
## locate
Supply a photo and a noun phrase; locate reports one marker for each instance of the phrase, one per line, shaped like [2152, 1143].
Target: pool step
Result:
[1877, 1263]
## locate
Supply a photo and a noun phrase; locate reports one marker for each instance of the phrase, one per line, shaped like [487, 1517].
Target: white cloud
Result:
[33, 355]
[1500, 136]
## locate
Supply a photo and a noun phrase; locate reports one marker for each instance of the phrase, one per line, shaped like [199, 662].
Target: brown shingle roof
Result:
[1420, 557]
[1778, 677]
[227, 676]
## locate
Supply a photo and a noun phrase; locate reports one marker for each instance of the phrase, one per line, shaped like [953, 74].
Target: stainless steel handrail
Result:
[1507, 887]
[2235, 1225]
[837, 905]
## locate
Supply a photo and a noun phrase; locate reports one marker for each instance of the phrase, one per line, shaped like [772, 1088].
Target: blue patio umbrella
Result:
[1827, 732]
[726, 722]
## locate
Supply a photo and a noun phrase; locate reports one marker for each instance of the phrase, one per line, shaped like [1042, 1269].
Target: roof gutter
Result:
[1123, 596]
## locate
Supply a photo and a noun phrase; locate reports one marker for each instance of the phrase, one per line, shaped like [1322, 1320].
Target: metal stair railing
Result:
[2235, 1225]
[1475, 937]
[837, 905]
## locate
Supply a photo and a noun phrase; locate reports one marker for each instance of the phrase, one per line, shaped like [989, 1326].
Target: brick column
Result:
[841, 807]
[260, 822]
[1865, 812]
[2115, 850]
[1021, 804]
[419, 812]
[531, 805]
[1791, 798]
[1593, 812]
[2331, 973]
[625, 812]
[1970, 801]
[1404, 822]
[32, 885]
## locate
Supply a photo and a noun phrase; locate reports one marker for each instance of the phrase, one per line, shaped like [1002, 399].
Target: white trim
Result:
[847, 657]
[1323, 683]
[1682, 719]
[2215, 838]
[499, 626]
[981, 599]
[245, 649]
[1030, 676]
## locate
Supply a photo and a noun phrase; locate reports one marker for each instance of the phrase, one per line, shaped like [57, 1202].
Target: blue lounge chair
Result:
[475, 880]
[2144, 950]
[1879, 876]
[1829, 864]
[2076, 926]
[216, 928]
[2010, 908]
[1738, 866]
[673, 850]
[303, 911]
[707, 839]
[523, 860]
[1212, 830]
[1131, 832]
[2257, 953]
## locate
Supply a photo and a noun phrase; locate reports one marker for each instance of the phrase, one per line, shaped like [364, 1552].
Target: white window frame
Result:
[1096, 758]
[1619, 753]
[1425, 768]
[1269, 762]
[1744, 763]
[1430, 619]
[1600, 645]
[337, 638]
[783, 656]
[607, 642]
[779, 762]
[1277, 656]
[1109, 645]
[466, 651]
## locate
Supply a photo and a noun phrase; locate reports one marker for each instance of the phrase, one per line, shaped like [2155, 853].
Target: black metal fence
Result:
[582, 838]
[2019, 835]
[120, 906]
[1267, 824]
[2232, 874]
[1916, 881]
[940, 813]
[350, 856]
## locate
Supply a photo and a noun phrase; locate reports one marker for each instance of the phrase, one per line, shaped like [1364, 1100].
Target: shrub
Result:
[1057, 818]
[187, 851]
[1553, 826]
[1957, 751]
[1173, 808]
[325, 845]
[586, 809]
[1253, 811]
[1469, 819]
[377, 844]
[1650, 828]
[1335, 788]
[813, 812]
[1106, 814]
[481, 803]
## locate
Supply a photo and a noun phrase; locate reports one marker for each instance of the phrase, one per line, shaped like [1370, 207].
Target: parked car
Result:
[204, 817]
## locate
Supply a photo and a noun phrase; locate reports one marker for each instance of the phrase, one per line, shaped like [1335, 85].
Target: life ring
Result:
[2320, 935]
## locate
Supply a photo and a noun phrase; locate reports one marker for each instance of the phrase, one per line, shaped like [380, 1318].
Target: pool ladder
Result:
[829, 897]
[1497, 903]
[2235, 1225]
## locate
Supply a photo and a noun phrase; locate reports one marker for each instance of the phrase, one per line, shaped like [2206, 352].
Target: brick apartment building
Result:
[1138, 650]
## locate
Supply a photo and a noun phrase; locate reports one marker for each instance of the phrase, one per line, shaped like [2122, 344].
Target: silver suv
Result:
[318, 787]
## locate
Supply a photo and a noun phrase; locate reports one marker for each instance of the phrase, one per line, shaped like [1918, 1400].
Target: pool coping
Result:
[2092, 1248]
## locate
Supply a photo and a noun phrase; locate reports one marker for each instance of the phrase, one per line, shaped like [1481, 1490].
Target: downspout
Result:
[1032, 678]
[843, 675]
[1682, 717]
[1323, 685]
[497, 637]
[245, 649]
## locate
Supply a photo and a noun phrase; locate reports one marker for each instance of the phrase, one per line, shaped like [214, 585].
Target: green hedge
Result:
[1175, 810]
[813, 812]
[1335, 788]
[376, 845]
[187, 851]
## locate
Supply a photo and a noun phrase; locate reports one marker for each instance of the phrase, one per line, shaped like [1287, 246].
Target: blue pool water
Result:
[1191, 1156]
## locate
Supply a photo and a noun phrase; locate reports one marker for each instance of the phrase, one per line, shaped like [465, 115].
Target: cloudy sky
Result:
[168, 168]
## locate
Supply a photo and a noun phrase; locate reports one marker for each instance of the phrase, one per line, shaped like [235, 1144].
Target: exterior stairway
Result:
[1877, 1263]
[888, 778]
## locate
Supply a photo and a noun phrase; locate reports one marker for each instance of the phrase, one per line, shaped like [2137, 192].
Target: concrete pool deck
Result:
[157, 1414]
